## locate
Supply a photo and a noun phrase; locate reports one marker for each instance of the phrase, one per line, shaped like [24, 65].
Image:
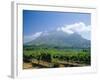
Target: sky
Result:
[37, 22]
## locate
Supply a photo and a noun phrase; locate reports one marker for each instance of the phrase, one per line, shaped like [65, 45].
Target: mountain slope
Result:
[61, 39]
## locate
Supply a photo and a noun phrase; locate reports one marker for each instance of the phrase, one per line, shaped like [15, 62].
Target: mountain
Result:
[60, 39]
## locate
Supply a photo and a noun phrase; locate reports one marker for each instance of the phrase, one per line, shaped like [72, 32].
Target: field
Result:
[54, 57]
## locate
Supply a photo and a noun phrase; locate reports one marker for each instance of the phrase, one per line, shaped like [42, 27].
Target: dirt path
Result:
[44, 64]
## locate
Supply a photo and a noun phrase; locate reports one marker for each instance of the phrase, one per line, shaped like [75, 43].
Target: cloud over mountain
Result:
[32, 37]
[80, 28]
[76, 27]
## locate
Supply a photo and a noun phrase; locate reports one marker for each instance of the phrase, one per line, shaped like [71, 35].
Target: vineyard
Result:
[53, 57]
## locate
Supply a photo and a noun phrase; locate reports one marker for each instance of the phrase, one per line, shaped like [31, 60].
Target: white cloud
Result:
[32, 37]
[80, 28]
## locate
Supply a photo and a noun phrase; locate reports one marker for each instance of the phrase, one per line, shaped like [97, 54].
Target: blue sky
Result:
[39, 21]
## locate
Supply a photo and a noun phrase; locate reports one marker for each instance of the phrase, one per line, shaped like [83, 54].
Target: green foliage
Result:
[54, 55]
